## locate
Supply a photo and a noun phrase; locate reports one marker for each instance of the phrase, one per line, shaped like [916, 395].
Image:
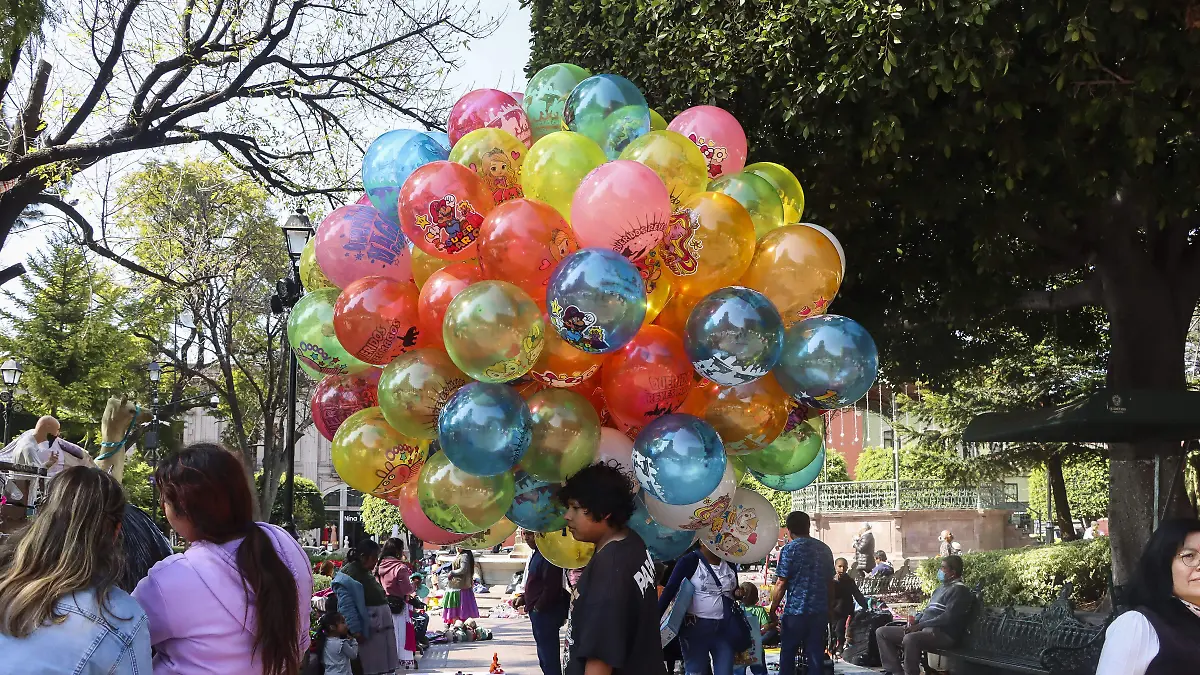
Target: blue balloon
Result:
[734, 336]
[535, 505]
[678, 459]
[389, 161]
[793, 481]
[596, 299]
[484, 429]
[828, 362]
[608, 109]
[663, 542]
[442, 138]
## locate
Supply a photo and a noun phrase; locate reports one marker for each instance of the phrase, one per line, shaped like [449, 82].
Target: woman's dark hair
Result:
[603, 490]
[208, 485]
[881, 556]
[470, 561]
[324, 627]
[363, 549]
[393, 548]
[1153, 584]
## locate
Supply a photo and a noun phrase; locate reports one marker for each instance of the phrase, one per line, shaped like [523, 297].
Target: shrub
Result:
[321, 582]
[1033, 576]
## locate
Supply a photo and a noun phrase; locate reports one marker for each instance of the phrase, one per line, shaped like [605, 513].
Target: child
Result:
[336, 647]
[747, 593]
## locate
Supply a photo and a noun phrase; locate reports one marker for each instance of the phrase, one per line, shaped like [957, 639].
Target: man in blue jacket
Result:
[939, 626]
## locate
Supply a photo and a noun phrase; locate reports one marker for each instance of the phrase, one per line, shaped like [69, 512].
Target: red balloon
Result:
[337, 397]
[415, 519]
[488, 108]
[522, 241]
[647, 378]
[375, 319]
[442, 206]
[436, 294]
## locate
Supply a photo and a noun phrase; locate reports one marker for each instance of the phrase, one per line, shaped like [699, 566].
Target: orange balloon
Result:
[675, 314]
[799, 270]
[561, 365]
[376, 320]
[521, 242]
[442, 206]
[436, 295]
[750, 416]
[647, 378]
[698, 399]
[709, 243]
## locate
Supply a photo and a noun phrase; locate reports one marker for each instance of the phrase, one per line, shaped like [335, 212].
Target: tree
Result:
[308, 508]
[378, 516]
[988, 166]
[782, 501]
[915, 464]
[283, 89]
[1085, 485]
[136, 481]
[836, 469]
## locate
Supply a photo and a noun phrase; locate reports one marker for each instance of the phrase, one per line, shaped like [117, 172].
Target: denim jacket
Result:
[351, 604]
[87, 641]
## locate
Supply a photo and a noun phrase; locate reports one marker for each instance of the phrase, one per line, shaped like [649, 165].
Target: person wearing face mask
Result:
[938, 626]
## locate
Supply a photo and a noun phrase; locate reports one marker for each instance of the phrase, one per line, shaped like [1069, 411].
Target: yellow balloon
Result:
[556, 164]
[374, 458]
[676, 160]
[657, 123]
[424, 265]
[757, 195]
[496, 156]
[493, 331]
[560, 548]
[495, 534]
[750, 416]
[311, 275]
[415, 387]
[709, 244]
[798, 269]
[785, 184]
[658, 282]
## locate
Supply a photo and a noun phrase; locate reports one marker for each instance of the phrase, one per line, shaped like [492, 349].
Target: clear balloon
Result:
[622, 206]
[661, 541]
[459, 502]
[616, 450]
[358, 241]
[485, 428]
[311, 335]
[748, 417]
[757, 195]
[678, 459]
[746, 531]
[376, 319]
[709, 243]
[657, 123]
[311, 276]
[495, 156]
[415, 387]
[494, 535]
[785, 184]
[535, 506]
[734, 336]
[697, 515]
[556, 165]
[374, 458]
[597, 300]
[441, 138]
[794, 481]
[566, 435]
[522, 242]
[608, 109]
[647, 378]
[337, 397]
[390, 160]
[488, 108]
[546, 94]
[799, 271]
[791, 452]
[561, 365]
[562, 550]
[739, 467]
[442, 287]
[675, 159]
[415, 520]
[718, 135]
[442, 206]
[828, 362]
[493, 331]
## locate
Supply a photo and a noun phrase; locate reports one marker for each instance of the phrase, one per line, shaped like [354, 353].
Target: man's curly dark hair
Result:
[603, 490]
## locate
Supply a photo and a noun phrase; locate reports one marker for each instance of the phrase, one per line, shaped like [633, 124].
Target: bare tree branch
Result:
[29, 124]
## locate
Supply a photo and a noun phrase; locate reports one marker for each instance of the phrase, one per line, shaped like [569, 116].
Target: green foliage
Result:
[1086, 477]
[1034, 575]
[836, 469]
[378, 516]
[136, 481]
[915, 464]
[321, 582]
[20, 20]
[308, 508]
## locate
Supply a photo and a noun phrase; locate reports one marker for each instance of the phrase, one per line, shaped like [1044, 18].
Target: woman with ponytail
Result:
[233, 602]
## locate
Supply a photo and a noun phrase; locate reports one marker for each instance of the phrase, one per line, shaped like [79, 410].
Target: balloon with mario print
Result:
[390, 160]
[535, 505]
[460, 502]
[596, 300]
[647, 378]
[488, 108]
[566, 435]
[757, 195]
[311, 276]
[337, 397]
[709, 244]
[415, 387]
[678, 459]
[749, 417]
[828, 362]
[493, 331]
[791, 194]
[794, 481]
[746, 531]
[734, 336]
[608, 109]
[495, 156]
[442, 206]
[699, 514]
[718, 135]
[485, 428]
[556, 165]
[374, 458]
[311, 336]
[792, 451]
[561, 365]
[616, 450]
[546, 94]
[562, 549]
[675, 160]
[437, 293]
[357, 241]
[622, 206]
[661, 541]
[415, 520]
[490, 537]
[376, 319]
[798, 269]
[523, 241]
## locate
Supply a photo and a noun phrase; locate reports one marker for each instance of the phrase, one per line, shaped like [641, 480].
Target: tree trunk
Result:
[1062, 508]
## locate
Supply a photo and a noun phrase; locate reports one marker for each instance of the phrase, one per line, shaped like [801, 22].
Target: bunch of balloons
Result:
[565, 278]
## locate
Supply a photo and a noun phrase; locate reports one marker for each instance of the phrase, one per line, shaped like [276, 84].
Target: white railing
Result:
[904, 495]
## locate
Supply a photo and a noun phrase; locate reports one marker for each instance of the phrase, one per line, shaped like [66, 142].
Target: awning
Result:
[1105, 417]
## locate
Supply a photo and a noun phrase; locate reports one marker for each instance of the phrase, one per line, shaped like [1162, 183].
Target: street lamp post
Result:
[11, 372]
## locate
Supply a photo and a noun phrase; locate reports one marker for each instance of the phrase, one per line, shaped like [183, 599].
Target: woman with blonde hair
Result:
[61, 610]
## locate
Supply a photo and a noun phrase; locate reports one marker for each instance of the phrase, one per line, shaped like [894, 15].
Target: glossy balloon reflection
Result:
[311, 335]
[460, 502]
[663, 542]
[648, 377]
[415, 520]
[311, 276]
[734, 336]
[794, 481]
[493, 331]
[596, 300]
[792, 451]
[785, 184]
[799, 271]
[488, 108]
[415, 387]
[709, 243]
[546, 94]
[522, 242]
[337, 397]
[535, 506]
[485, 428]
[442, 206]
[495, 156]
[561, 365]
[757, 195]
[562, 550]
[697, 515]
[675, 159]
[357, 241]
[828, 362]
[556, 165]
[374, 458]
[376, 319]
[490, 537]
[442, 287]
[566, 435]
[678, 459]
[390, 160]
[749, 417]
[616, 450]
[608, 109]
[622, 206]
[718, 135]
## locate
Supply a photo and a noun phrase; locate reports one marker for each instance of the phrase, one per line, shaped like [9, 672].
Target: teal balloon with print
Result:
[792, 451]
[546, 94]
[535, 505]
[662, 542]
[794, 481]
[311, 336]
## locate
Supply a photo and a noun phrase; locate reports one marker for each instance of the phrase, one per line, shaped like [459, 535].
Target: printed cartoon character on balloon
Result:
[500, 176]
[681, 248]
[561, 246]
[578, 326]
[451, 225]
[713, 154]
[400, 463]
[509, 369]
[637, 246]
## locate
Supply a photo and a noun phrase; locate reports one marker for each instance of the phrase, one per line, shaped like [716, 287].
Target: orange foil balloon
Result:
[750, 416]
[561, 365]
[798, 269]
[647, 378]
[709, 243]
[521, 242]
[442, 206]
[376, 319]
[675, 314]
[436, 295]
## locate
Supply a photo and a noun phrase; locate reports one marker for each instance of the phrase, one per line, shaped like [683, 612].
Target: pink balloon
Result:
[488, 108]
[337, 397]
[356, 241]
[417, 522]
[718, 135]
[624, 206]
[364, 200]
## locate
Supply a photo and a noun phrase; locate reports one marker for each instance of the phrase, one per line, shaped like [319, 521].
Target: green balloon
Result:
[310, 334]
[657, 123]
[546, 94]
[792, 451]
[459, 502]
[758, 196]
[566, 435]
[739, 467]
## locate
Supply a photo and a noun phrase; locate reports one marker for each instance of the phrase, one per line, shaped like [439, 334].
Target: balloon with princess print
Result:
[337, 397]
[495, 156]
[493, 331]
[415, 520]
[563, 550]
[798, 269]
[698, 514]
[437, 293]
[311, 276]
[622, 206]
[390, 160]
[565, 435]
[749, 417]
[461, 502]
[792, 451]
[535, 504]
[546, 94]
[442, 206]
[485, 428]
[791, 194]
[734, 336]
[596, 299]
[415, 387]
[828, 362]
[616, 450]
[357, 241]
[488, 108]
[311, 336]
[556, 165]
[718, 135]
[794, 481]
[610, 110]
[376, 319]
[661, 541]
[709, 244]
[523, 241]
[561, 365]
[490, 537]
[648, 377]
[757, 195]
[678, 459]
[746, 531]
[374, 458]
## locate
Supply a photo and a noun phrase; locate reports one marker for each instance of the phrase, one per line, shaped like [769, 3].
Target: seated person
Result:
[882, 568]
[939, 626]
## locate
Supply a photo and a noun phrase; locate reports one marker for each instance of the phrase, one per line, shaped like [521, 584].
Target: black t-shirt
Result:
[614, 614]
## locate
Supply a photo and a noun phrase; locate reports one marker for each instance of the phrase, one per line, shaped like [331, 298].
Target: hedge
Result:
[1033, 576]
[321, 582]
